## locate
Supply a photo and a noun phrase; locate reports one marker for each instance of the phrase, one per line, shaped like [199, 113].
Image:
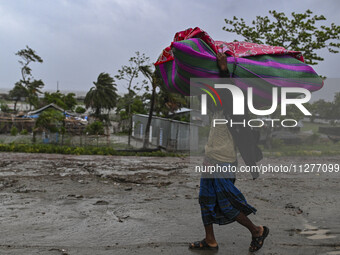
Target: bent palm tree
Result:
[103, 95]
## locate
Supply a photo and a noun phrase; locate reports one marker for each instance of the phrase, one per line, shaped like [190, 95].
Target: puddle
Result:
[314, 233]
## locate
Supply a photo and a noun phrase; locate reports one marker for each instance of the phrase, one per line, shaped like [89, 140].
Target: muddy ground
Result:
[62, 204]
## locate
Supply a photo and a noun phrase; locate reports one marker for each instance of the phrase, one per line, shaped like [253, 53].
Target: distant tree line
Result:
[141, 96]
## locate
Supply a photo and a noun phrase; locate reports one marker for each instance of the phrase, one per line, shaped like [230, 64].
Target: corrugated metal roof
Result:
[48, 106]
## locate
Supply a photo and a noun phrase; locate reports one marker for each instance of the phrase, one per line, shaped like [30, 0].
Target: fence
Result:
[330, 131]
[6, 123]
[167, 133]
[72, 126]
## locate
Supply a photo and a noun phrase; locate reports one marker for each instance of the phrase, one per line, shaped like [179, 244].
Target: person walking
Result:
[220, 201]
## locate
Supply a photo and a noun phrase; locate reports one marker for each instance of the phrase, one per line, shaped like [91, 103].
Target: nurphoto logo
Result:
[239, 100]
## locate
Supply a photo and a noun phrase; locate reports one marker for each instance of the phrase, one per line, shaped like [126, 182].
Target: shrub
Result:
[277, 143]
[24, 132]
[95, 128]
[4, 108]
[80, 110]
[50, 120]
[14, 131]
[313, 139]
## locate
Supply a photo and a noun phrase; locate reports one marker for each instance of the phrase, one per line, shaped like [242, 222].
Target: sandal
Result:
[202, 245]
[257, 242]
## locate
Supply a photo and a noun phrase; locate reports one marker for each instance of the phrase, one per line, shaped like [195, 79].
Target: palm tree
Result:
[103, 95]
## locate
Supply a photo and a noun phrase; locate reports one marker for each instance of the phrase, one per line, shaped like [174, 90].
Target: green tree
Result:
[136, 106]
[327, 110]
[4, 107]
[322, 109]
[312, 109]
[66, 102]
[336, 106]
[129, 73]
[167, 102]
[17, 92]
[33, 87]
[95, 128]
[162, 102]
[299, 32]
[80, 109]
[55, 98]
[50, 120]
[102, 96]
[70, 101]
[152, 76]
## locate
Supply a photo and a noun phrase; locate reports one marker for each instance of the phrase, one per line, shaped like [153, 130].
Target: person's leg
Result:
[255, 231]
[209, 235]
[259, 233]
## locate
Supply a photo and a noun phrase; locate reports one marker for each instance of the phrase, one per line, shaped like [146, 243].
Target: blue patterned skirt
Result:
[221, 201]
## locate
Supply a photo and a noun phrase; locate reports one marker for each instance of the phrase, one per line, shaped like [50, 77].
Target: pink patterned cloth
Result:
[184, 35]
[236, 49]
[246, 49]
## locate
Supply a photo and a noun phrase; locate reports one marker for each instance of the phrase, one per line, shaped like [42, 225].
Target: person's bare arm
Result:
[222, 62]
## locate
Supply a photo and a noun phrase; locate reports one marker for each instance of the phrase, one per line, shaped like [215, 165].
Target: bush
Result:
[95, 128]
[14, 131]
[277, 143]
[313, 139]
[50, 120]
[4, 107]
[24, 132]
[80, 110]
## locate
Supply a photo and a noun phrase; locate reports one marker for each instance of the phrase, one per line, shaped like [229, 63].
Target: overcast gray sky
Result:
[78, 39]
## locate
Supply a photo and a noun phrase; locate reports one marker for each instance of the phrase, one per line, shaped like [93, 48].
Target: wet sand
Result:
[63, 204]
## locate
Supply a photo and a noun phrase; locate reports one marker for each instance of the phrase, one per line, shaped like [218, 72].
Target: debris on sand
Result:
[4, 183]
[294, 208]
[63, 251]
[101, 202]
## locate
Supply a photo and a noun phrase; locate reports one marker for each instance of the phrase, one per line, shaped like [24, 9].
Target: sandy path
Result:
[61, 204]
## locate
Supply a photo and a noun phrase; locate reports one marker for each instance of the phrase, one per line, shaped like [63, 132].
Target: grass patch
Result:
[314, 127]
[73, 150]
[319, 149]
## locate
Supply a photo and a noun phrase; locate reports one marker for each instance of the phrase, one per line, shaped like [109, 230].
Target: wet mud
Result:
[66, 204]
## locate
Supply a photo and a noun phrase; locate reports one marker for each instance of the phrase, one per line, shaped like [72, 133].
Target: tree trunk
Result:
[15, 105]
[130, 125]
[34, 137]
[97, 113]
[148, 124]
[108, 129]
